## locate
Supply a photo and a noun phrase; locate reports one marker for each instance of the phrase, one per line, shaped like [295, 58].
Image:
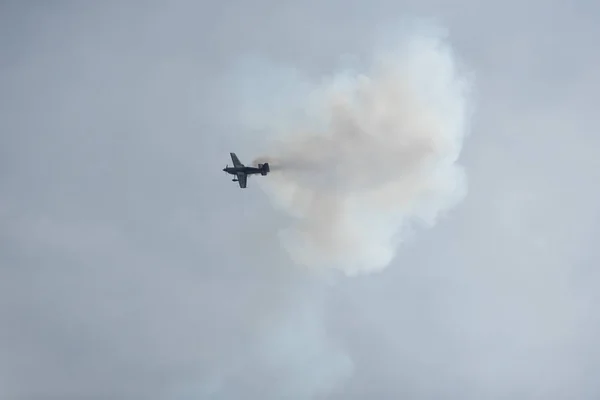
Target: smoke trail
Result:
[374, 154]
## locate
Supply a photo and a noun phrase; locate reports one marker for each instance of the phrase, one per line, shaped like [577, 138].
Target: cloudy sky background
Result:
[132, 267]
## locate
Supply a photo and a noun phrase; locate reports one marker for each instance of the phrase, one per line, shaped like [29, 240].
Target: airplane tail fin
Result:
[264, 168]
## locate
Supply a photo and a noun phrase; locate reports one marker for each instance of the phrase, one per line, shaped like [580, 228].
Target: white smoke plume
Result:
[374, 154]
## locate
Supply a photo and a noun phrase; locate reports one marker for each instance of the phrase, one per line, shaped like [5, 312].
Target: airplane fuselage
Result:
[243, 170]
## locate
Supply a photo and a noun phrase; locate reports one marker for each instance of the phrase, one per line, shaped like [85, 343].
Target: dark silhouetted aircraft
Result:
[241, 172]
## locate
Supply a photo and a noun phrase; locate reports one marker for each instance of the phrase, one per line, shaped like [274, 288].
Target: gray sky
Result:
[131, 267]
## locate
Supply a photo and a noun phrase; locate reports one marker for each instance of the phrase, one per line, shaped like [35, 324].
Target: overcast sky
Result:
[132, 267]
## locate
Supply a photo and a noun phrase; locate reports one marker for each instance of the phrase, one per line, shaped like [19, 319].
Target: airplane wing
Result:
[236, 160]
[242, 179]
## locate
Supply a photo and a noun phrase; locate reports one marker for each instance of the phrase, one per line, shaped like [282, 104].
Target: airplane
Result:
[241, 172]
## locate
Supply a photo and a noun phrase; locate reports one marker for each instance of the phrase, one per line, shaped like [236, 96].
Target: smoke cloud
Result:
[370, 156]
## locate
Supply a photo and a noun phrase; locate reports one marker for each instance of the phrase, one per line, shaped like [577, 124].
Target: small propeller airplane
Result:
[241, 172]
